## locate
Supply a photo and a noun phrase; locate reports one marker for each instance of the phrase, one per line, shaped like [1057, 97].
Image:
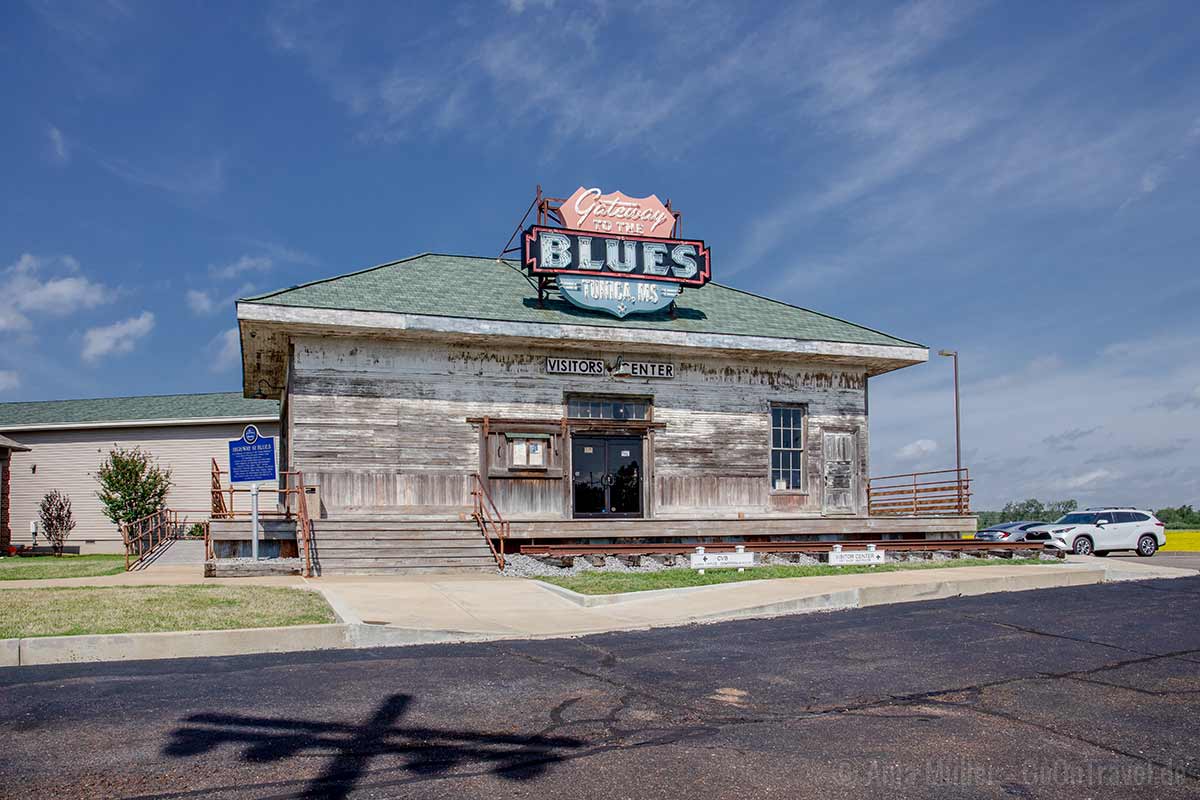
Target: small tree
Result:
[57, 521]
[132, 485]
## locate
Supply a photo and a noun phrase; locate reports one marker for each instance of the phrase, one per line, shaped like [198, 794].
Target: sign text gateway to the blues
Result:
[559, 251]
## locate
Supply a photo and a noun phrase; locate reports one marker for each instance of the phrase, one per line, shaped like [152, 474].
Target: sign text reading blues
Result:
[558, 250]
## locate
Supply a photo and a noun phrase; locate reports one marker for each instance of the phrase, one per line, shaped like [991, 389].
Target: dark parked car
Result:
[1007, 531]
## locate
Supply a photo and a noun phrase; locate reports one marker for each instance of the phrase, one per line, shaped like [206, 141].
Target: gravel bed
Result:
[529, 567]
[800, 560]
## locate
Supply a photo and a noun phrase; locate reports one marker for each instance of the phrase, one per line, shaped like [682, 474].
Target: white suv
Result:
[1099, 531]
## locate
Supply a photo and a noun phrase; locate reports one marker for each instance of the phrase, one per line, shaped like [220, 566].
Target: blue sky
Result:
[1014, 180]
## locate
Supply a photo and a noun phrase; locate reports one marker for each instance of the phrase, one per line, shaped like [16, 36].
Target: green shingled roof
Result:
[484, 288]
[135, 409]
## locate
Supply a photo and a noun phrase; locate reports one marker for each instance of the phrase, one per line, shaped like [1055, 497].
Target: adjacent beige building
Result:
[68, 439]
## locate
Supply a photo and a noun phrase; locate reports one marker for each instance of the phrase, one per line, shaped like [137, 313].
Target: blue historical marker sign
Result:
[252, 457]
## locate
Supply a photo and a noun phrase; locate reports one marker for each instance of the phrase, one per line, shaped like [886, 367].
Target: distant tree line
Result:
[1181, 518]
[1031, 509]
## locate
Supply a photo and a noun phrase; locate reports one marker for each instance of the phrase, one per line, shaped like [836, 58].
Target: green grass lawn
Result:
[618, 582]
[1182, 542]
[144, 609]
[14, 568]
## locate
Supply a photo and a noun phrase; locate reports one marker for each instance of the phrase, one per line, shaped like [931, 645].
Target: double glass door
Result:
[607, 476]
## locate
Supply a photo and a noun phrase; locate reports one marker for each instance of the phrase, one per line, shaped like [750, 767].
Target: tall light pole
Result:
[957, 428]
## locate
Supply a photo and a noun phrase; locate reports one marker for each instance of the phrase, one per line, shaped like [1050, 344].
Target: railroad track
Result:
[895, 545]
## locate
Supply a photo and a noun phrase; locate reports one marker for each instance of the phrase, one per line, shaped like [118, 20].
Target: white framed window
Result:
[787, 448]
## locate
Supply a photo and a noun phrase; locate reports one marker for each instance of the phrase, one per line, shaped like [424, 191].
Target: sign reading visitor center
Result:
[252, 457]
[596, 366]
[615, 253]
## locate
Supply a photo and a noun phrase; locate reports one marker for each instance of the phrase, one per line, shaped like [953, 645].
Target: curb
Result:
[595, 600]
[352, 634]
[181, 644]
[43, 650]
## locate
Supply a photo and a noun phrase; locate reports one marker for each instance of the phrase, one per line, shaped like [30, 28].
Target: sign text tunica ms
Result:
[614, 254]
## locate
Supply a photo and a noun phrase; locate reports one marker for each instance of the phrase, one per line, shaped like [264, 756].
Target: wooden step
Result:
[331, 553]
[389, 544]
[324, 525]
[408, 570]
[432, 561]
[381, 533]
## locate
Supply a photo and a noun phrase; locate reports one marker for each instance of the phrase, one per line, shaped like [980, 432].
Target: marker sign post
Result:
[702, 560]
[252, 460]
[840, 558]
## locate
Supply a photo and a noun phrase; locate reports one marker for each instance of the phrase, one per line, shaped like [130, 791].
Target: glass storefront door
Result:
[607, 476]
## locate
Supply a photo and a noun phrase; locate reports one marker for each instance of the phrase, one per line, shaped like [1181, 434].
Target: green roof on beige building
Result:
[117, 411]
[472, 287]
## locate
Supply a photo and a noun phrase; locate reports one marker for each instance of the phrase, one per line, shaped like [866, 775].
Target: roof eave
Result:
[265, 327]
[139, 423]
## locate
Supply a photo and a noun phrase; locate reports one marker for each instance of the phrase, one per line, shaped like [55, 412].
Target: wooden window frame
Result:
[803, 489]
[648, 399]
[501, 436]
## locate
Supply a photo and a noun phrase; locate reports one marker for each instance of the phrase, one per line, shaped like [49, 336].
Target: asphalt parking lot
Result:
[1181, 560]
[1061, 693]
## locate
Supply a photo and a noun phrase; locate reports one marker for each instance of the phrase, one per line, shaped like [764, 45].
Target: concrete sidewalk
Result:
[378, 611]
[492, 605]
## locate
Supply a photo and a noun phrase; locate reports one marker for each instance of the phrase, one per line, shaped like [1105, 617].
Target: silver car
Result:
[1007, 531]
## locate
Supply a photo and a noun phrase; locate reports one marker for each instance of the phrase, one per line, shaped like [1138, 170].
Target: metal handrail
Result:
[906, 496]
[142, 535]
[222, 509]
[219, 509]
[490, 519]
[907, 475]
[303, 523]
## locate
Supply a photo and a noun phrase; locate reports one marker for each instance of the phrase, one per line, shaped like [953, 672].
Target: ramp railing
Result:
[492, 524]
[940, 493]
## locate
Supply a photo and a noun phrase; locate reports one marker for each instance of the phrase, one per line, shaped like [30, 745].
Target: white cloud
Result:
[200, 302]
[28, 293]
[203, 177]
[13, 320]
[282, 253]
[60, 149]
[519, 6]
[1086, 479]
[9, 380]
[1162, 170]
[226, 351]
[246, 263]
[203, 302]
[917, 449]
[118, 338]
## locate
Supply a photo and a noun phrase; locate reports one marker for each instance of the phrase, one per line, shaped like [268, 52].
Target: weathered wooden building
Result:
[407, 386]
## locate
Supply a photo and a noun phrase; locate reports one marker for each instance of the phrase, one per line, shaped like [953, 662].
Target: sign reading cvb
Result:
[561, 251]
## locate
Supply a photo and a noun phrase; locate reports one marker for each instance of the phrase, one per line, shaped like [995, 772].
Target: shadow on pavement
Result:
[352, 747]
